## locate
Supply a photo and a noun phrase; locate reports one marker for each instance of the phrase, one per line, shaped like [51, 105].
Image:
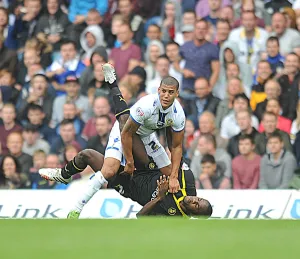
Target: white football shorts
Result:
[152, 145]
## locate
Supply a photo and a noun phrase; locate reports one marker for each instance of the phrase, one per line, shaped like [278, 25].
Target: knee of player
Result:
[110, 167]
[85, 155]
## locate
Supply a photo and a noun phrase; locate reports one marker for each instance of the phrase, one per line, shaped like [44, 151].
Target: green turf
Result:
[149, 238]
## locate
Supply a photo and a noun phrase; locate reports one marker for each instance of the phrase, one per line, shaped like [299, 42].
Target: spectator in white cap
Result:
[186, 34]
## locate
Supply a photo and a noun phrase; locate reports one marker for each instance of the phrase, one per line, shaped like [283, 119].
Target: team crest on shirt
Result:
[140, 112]
[169, 122]
[171, 211]
[152, 165]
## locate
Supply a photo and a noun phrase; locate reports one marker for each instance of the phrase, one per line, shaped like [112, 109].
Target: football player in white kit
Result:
[149, 114]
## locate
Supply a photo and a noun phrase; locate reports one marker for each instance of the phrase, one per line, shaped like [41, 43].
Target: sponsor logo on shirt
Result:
[140, 112]
[169, 122]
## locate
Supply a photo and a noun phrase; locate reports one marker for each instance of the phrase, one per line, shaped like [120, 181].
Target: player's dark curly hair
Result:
[206, 208]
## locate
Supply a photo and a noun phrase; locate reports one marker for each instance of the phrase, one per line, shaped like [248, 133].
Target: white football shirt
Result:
[149, 114]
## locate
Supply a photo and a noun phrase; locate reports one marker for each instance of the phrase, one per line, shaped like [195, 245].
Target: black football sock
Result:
[120, 106]
[70, 169]
[113, 85]
[119, 102]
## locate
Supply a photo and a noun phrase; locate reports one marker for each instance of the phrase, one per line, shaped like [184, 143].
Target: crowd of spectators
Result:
[237, 62]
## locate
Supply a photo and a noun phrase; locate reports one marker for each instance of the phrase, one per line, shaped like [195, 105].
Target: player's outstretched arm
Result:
[163, 185]
[176, 155]
[129, 129]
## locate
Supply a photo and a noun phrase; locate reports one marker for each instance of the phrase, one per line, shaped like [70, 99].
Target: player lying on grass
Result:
[150, 189]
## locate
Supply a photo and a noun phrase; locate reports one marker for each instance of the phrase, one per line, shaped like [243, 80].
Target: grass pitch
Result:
[149, 238]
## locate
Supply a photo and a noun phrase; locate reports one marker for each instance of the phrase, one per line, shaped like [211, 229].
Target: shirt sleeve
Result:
[140, 112]
[179, 122]
[214, 53]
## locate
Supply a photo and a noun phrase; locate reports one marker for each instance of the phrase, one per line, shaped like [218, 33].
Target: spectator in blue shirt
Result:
[202, 58]
[274, 57]
[68, 65]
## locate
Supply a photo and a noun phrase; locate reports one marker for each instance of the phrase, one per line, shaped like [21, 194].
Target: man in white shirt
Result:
[250, 39]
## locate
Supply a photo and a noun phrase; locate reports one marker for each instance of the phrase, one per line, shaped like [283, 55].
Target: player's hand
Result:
[129, 168]
[163, 186]
[174, 185]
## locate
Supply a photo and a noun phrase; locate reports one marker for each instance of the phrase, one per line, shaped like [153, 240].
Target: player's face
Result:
[167, 95]
[193, 205]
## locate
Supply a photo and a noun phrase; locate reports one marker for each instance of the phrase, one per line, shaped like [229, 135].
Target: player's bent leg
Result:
[89, 157]
[110, 168]
[84, 158]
